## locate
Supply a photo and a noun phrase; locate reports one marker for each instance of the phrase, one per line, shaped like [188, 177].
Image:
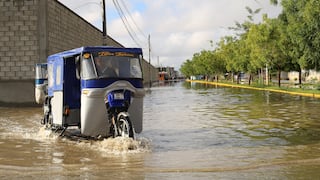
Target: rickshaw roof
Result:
[76, 51]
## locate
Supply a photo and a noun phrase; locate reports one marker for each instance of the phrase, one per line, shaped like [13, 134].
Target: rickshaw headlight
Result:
[85, 92]
[86, 55]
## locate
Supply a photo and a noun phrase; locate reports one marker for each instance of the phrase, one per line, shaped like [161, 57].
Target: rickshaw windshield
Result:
[111, 65]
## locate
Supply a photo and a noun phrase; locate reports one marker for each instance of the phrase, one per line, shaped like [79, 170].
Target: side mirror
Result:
[77, 63]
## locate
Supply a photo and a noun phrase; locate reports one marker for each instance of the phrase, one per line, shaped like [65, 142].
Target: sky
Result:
[177, 28]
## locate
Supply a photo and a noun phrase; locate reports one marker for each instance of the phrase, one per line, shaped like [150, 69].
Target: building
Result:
[167, 73]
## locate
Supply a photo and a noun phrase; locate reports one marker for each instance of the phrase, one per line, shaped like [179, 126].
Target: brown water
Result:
[191, 131]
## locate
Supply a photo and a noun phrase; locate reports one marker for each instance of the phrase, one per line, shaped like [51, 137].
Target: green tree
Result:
[199, 62]
[264, 42]
[289, 42]
[303, 27]
[233, 52]
[215, 65]
[187, 68]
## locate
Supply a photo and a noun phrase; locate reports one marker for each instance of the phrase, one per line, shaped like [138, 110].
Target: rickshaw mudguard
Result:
[94, 116]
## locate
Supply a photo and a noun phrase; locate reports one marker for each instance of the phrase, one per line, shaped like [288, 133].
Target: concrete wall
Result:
[30, 30]
[310, 76]
[19, 48]
[150, 73]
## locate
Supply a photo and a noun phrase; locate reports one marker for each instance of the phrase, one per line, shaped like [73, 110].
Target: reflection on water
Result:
[191, 131]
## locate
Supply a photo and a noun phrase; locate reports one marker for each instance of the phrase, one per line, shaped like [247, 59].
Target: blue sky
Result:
[178, 28]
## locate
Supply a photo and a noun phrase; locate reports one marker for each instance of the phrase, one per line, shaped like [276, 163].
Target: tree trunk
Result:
[279, 77]
[238, 78]
[260, 77]
[300, 77]
[267, 75]
[232, 77]
[250, 76]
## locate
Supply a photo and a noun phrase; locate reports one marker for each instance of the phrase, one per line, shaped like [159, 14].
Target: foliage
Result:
[303, 25]
[289, 42]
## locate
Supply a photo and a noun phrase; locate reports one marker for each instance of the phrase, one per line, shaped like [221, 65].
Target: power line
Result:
[126, 23]
[130, 23]
[132, 19]
[81, 5]
[119, 7]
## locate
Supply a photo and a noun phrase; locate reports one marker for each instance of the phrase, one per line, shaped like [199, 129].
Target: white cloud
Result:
[178, 28]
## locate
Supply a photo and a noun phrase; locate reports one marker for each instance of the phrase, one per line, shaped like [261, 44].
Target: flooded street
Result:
[191, 131]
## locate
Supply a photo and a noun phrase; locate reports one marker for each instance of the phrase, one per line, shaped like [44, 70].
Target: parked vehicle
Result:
[97, 89]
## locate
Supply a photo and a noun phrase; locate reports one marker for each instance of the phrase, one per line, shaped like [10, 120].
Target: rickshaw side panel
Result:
[55, 88]
[94, 117]
[57, 110]
[136, 113]
[64, 88]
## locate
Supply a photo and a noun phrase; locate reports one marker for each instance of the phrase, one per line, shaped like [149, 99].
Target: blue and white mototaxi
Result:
[97, 89]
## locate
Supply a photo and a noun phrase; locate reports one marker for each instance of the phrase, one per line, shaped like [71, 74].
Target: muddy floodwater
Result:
[191, 131]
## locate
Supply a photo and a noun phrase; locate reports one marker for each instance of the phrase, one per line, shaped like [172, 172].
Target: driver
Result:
[105, 67]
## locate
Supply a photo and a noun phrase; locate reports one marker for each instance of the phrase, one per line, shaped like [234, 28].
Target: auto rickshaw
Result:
[97, 89]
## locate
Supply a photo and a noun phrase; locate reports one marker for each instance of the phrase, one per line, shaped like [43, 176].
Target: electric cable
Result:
[126, 22]
[132, 19]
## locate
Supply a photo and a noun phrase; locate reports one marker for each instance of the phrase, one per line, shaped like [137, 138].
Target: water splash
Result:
[29, 128]
[119, 146]
[45, 134]
[110, 146]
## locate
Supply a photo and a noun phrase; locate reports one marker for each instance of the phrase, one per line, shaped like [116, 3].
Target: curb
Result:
[256, 88]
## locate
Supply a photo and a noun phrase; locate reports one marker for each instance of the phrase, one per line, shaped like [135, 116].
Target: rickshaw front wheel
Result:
[125, 128]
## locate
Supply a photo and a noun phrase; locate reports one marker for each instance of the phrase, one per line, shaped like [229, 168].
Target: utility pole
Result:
[104, 24]
[158, 61]
[149, 61]
[150, 78]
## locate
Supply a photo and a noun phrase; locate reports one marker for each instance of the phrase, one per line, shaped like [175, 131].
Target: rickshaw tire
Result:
[127, 119]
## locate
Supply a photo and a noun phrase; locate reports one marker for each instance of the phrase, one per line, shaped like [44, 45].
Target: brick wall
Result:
[150, 73]
[18, 39]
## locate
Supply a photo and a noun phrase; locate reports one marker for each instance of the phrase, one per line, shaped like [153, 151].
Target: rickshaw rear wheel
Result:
[125, 128]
